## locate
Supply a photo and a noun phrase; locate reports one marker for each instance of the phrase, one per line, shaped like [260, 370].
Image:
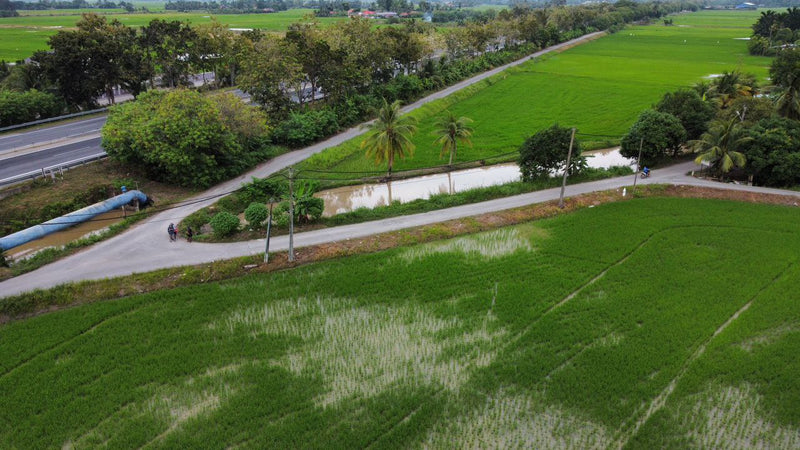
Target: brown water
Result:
[347, 198]
[63, 237]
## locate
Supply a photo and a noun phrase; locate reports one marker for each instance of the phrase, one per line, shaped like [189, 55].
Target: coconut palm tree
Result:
[450, 131]
[787, 103]
[390, 135]
[719, 146]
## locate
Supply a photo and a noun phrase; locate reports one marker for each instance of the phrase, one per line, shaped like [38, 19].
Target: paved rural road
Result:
[145, 247]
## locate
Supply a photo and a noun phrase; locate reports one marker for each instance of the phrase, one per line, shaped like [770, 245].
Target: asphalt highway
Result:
[41, 136]
[53, 156]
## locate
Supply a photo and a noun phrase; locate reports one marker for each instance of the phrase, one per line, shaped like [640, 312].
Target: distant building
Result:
[746, 5]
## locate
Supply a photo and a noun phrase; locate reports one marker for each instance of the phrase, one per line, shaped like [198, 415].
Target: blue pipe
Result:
[68, 220]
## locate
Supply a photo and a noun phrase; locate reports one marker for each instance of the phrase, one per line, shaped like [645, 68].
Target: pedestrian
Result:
[189, 234]
[172, 232]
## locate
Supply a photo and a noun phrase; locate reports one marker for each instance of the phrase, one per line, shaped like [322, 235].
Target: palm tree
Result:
[391, 135]
[450, 131]
[719, 146]
[730, 85]
[788, 102]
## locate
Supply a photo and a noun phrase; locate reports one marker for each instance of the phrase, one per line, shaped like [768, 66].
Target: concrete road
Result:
[145, 247]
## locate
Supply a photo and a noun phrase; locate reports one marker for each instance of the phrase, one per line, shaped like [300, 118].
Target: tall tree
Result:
[270, 74]
[450, 131]
[312, 52]
[86, 62]
[720, 145]
[390, 135]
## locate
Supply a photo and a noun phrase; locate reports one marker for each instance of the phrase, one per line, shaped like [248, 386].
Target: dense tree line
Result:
[8, 9]
[775, 30]
[228, 6]
[740, 130]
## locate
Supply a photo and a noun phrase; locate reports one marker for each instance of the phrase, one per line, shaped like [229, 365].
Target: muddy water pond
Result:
[348, 198]
[63, 237]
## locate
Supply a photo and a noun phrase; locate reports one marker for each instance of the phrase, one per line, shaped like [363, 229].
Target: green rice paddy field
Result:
[649, 323]
[599, 87]
[21, 36]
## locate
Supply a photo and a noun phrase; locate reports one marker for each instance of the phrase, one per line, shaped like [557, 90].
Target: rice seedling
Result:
[493, 244]
[363, 351]
[518, 421]
[679, 331]
[733, 417]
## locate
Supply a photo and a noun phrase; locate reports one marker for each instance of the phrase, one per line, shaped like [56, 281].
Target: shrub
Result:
[256, 214]
[21, 107]
[196, 220]
[301, 129]
[183, 137]
[224, 224]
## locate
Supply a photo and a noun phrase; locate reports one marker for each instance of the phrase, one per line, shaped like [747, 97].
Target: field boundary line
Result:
[661, 399]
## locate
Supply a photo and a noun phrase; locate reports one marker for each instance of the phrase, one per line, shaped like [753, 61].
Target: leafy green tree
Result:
[690, 109]
[181, 137]
[773, 152]
[311, 51]
[270, 73]
[167, 45]
[390, 135]
[748, 110]
[83, 63]
[545, 153]
[660, 134]
[719, 146]
[450, 131]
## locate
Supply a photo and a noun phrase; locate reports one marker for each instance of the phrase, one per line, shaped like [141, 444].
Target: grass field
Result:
[21, 36]
[600, 87]
[677, 329]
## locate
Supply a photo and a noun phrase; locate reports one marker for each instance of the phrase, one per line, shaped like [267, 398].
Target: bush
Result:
[256, 214]
[196, 220]
[21, 107]
[224, 224]
[302, 129]
[184, 137]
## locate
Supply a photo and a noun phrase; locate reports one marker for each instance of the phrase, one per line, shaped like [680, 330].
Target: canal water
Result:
[348, 198]
[59, 238]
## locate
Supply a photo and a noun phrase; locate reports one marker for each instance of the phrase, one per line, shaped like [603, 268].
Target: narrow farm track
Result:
[661, 399]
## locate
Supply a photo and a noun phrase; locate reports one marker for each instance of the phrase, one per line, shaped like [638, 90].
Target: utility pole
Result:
[638, 166]
[566, 170]
[269, 229]
[291, 214]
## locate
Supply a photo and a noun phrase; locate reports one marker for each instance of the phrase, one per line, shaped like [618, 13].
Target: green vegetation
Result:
[21, 36]
[599, 87]
[187, 138]
[562, 332]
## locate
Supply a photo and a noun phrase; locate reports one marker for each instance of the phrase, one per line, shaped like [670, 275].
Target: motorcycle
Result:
[645, 174]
